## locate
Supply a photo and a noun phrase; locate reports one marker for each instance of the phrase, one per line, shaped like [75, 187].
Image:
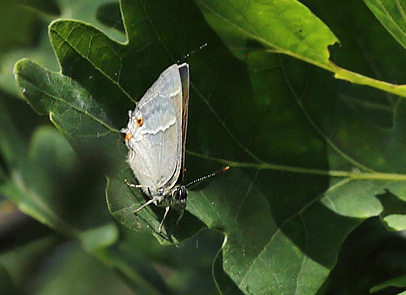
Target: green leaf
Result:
[394, 212]
[399, 282]
[33, 17]
[68, 277]
[392, 16]
[396, 221]
[286, 27]
[223, 281]
[67, 104]
[21, 169]
[47, 183]
[18, 26]
[7, 286]
[187, 266]
[307, 163]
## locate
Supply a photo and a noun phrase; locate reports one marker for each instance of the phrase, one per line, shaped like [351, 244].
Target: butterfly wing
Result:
[155, 145]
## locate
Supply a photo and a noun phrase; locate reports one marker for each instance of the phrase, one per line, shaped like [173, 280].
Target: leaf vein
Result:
[284, 223]
[86, 57]
[73, 107]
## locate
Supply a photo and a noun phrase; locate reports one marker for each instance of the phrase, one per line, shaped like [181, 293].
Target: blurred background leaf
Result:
[25, 22]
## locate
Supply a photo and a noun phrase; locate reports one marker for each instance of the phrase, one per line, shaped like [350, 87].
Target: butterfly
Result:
[156, 136]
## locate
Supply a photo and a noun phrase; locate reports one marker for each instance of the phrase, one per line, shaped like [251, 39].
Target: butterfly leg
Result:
[145, 205]
[180, 216]
[132, 184]
[163, 219]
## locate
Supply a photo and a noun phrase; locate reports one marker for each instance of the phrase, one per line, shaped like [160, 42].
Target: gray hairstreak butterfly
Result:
[156, 136]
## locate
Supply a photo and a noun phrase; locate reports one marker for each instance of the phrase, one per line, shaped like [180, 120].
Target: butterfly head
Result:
[179, 197]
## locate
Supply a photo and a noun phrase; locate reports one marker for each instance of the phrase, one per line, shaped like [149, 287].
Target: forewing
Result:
[156, 147]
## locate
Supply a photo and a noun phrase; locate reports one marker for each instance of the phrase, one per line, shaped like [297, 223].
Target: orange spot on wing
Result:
[140, 122]
[128, 136]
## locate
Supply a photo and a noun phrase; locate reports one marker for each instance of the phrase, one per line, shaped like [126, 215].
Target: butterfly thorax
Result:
[176, 197]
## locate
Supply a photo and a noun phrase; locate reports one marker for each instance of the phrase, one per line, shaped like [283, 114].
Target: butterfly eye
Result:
[139, 122]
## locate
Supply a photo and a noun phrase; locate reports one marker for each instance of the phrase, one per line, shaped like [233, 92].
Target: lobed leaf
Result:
[307, 167]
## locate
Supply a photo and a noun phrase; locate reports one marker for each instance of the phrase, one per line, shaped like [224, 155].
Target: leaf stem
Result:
[356, 174]
[356, 78]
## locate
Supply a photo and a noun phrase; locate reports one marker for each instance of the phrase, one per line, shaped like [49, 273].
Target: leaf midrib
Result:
[66, 40]
[108, 127]
[287, 220]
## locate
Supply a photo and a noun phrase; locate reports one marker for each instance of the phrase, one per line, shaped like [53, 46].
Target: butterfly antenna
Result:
[207, 176]
[192, 52]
